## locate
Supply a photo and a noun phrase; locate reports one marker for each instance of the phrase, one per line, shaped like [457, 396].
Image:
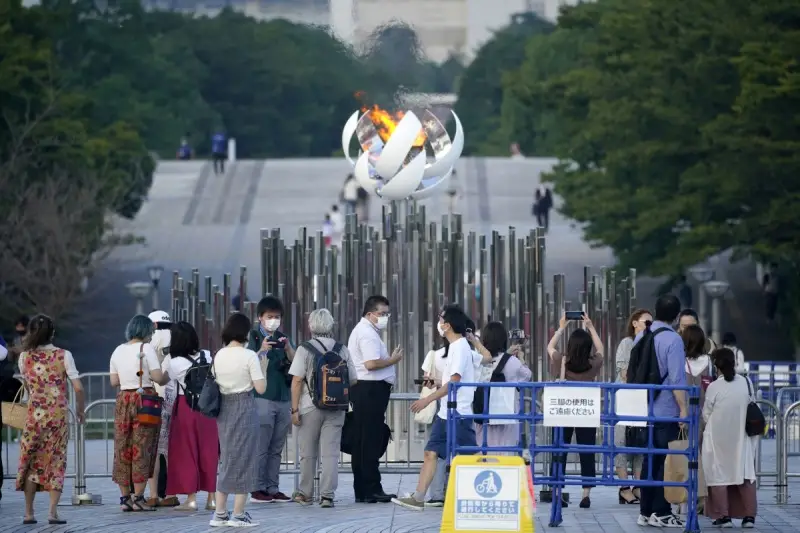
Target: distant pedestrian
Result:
[543, 202]
[219, 152]
[729, 342]
[770, 284]
[516, 153]
[327, 231]
[349, 194]
[185, 152]
[337, 222]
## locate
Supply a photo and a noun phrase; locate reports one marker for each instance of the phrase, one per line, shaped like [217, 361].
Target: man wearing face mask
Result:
[275, 353]
[370, 397]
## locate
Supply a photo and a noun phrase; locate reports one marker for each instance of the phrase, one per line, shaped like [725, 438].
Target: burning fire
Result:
[386, 122]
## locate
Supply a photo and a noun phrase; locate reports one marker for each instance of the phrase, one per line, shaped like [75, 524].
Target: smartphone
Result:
[574, 315]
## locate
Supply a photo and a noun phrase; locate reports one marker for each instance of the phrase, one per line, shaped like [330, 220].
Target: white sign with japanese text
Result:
[577, 407]
[488, 498]
[631, 402]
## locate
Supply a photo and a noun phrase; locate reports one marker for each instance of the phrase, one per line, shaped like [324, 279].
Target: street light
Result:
[139, 289]
[716, 289]
[155, 272]
[702, 274]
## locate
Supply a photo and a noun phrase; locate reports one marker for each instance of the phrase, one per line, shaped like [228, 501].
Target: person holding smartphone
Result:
[581, 362]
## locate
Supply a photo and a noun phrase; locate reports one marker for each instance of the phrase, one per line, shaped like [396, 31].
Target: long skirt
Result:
[238, 427]
[733, 501]
[193, 451]
[134, 443]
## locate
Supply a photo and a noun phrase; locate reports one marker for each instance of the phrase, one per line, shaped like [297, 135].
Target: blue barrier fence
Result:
[609, 416]
[777, 382]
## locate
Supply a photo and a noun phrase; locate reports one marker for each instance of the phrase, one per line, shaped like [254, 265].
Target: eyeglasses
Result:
[386, 314]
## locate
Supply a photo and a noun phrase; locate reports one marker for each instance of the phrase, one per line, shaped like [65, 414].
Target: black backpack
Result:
[643, 366]
[478, 407]
[196, 378]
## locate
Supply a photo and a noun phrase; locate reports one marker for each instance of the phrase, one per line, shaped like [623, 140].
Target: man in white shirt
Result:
[460, 368]
[370, 397]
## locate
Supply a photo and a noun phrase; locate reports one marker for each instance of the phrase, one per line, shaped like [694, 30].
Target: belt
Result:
[136, 390]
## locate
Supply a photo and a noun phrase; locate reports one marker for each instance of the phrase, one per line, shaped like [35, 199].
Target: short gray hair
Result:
[139, 328]
[320, 322]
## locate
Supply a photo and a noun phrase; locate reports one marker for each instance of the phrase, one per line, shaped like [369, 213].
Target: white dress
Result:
[728, 453]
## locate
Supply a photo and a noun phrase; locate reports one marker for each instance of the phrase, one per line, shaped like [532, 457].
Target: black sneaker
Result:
[434, 503]
[748, 522]
[722, 522]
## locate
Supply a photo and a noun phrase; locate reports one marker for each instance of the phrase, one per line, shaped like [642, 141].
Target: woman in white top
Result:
[238, 372]
[193, 441]
[728, 452]
[134, 368]
[45, 370]
[729, 342]
[636, 324]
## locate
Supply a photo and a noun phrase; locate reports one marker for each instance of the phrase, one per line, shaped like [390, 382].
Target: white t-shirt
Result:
[236, 368]
[435, 363]
[125, 364]
[177, 367]
[460, 360]
[365, 344]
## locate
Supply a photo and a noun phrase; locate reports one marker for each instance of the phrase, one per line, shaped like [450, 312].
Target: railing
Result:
[608, 416]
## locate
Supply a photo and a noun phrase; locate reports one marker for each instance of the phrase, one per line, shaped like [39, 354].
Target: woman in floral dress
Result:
[43, 446]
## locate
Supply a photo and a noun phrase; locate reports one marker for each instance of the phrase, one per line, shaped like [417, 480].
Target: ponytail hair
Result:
[40, 332]
[725, 361]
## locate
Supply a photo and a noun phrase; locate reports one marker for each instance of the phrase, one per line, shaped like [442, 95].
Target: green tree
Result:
[480, 91]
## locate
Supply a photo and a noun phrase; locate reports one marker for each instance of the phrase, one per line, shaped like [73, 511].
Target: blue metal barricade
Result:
[608, 417]
[777, 382]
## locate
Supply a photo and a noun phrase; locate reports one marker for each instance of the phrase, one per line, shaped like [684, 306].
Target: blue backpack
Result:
[330, 378]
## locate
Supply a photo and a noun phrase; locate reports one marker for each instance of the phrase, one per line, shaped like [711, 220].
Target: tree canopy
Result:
[676, 124]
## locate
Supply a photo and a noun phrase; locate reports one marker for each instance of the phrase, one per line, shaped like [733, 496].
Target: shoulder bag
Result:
[210, 400]
[150, 405]
[425, 416]
[754, 423]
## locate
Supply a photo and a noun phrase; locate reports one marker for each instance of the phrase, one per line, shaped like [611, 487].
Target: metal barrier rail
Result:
[608, 418]
[784, 452]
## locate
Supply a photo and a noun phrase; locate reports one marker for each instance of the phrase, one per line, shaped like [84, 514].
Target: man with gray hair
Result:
[318, 426]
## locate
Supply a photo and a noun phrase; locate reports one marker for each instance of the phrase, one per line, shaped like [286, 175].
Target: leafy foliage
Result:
[676, 124]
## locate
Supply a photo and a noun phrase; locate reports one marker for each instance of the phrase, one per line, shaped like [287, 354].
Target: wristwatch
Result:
[294, 411]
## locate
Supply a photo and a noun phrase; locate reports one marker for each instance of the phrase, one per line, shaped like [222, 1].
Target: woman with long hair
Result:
[583, 361]
[134, 368]
[637, 323]
[193, 439]
[728, 453]
[43, 446]
[238, 372]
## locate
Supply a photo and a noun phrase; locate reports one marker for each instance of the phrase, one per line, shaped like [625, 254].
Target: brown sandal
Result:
[140, 504]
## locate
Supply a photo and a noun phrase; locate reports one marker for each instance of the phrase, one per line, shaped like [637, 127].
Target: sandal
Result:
[126, 504]
[56, 521]
[29, 521]
[140, 504]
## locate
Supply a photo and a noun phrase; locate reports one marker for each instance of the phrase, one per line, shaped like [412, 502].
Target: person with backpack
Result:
[275, 354]
[505, 368]
[582, 362]
[193, 448]
[658, 357]
[322, 374]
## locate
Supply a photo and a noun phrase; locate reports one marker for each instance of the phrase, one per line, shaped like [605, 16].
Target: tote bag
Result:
[425, 416]
[676, 470]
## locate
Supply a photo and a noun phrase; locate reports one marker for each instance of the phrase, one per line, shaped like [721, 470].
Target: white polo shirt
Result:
[365, 344]
[461, 361]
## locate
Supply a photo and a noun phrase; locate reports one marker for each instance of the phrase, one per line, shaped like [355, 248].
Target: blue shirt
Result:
[218, 144]
[671, 356]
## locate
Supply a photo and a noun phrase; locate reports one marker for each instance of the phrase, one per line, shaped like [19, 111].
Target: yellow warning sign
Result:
[488, 493]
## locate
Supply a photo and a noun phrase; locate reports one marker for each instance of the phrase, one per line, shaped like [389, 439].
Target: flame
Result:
[386, 122]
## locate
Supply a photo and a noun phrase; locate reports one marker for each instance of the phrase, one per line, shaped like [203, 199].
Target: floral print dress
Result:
[43, 445]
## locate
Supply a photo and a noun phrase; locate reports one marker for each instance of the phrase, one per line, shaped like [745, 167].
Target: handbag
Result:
[210, 400]
[14, 413]
[150, 405]
[426, 415]
[754, 423]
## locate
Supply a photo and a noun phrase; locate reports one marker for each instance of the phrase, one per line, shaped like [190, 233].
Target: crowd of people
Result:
[188, 421]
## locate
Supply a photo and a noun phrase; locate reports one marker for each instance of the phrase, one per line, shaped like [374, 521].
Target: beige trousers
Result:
[319, 438]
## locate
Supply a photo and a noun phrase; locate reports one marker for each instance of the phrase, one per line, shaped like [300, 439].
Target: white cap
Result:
[159, 316]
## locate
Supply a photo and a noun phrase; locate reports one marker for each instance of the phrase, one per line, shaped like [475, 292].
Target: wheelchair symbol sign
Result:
[488, 484]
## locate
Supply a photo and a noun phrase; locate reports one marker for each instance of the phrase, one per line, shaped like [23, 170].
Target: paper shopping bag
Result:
[676, 470]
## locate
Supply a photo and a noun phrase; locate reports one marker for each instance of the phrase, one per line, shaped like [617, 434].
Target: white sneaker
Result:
[666, 521]
[219, 521]
[642, 520]
[242, 521]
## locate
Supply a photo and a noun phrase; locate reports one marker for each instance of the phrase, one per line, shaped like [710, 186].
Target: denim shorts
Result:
[437, 442]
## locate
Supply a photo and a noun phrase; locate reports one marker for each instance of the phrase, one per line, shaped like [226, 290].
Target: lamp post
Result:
[139, 289]
[716, 289]
[701, 275]
[155, 272]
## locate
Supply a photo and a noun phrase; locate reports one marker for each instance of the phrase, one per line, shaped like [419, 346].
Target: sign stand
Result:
[489, 493]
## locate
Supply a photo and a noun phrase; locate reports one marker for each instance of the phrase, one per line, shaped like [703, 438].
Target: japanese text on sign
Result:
[571, 406]
[488, 498]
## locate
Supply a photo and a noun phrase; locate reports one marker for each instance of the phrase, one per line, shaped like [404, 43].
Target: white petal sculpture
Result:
[400, 168]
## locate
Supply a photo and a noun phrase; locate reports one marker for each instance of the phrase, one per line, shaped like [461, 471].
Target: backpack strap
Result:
[502, 364]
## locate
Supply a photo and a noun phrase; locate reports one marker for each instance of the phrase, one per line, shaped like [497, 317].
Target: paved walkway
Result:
[605, 516]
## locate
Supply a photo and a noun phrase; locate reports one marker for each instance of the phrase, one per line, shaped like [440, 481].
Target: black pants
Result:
[652, 498]
[219, 163]
[771, 305]
[370, 400]
[543, 217]
[585, 437]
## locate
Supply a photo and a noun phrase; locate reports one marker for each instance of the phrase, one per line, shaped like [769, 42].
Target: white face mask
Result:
[271, 324]
[382, 322]
[440, 329]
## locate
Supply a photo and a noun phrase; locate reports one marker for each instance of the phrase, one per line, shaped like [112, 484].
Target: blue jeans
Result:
[437, 442]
